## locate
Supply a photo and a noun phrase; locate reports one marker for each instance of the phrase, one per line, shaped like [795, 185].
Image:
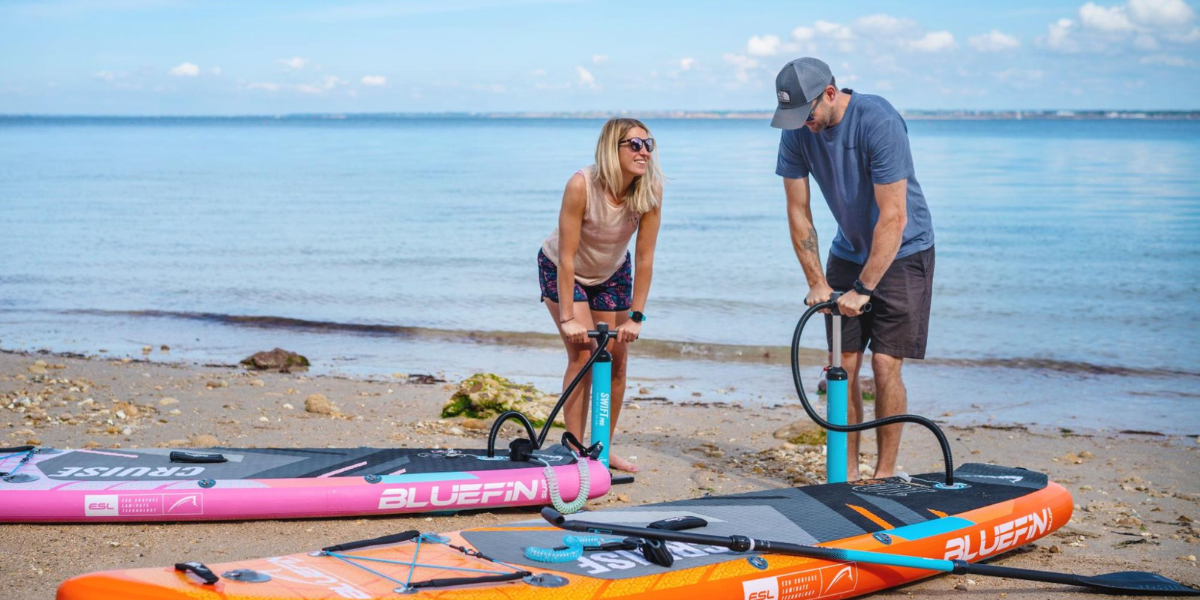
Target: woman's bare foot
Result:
[621, 464]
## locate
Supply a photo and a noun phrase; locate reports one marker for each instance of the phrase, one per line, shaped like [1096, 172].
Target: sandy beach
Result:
[1137, 496]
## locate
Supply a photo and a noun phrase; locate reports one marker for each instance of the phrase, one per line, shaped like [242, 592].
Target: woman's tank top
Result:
[603, 238]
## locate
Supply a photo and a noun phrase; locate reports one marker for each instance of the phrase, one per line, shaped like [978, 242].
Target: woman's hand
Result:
[629, 331]
[574, 332]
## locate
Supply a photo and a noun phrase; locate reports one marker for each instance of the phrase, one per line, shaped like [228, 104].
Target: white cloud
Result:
[1185, 38]
[586, 79]
[538, 73]
[374, 80]
[742, 64]
[1135, 25]
[1165, 14]
[884, 86]
[185, 70]
[1059, 36]
[833, 31]
[804, 34]
[1145, 41]
[884, 25]
[994, 41]
[599, 59]
[1111, 19]
[767, 45]
[263, 85]
[806, 38]
[294, 63]
[934, 41]
[105, 75]
[686, 63]
[329, 83]
[1168, 60]
[215, 71]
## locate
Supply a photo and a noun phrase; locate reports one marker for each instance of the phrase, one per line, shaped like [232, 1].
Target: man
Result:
[856, 147]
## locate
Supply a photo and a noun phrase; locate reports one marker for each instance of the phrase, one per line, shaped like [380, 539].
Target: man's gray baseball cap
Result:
[796, 86]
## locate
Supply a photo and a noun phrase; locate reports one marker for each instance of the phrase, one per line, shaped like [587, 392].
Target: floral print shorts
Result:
[613, 295]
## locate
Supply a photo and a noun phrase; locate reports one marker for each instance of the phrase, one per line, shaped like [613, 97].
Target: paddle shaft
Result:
[1126, 583]
[740, 543]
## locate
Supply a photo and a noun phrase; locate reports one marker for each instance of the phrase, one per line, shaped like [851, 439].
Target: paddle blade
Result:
[1139, 582]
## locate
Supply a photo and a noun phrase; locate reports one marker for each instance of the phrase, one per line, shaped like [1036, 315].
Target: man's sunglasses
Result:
[636, 144]
[812, 109]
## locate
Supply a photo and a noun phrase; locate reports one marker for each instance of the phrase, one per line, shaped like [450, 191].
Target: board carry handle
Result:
[395, 538]
[1127, 582]
[179, 456]
[199, 570]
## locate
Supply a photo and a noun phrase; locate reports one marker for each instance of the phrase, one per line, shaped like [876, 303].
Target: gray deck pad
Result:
[805, 515]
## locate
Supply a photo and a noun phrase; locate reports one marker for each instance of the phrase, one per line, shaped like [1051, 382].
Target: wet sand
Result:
[1137, 496]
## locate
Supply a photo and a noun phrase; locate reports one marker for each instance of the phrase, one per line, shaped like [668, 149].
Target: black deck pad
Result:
[284, 463]
[804, 515]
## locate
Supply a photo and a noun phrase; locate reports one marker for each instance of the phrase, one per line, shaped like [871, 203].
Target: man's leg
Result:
[890, 399]
[852, 363]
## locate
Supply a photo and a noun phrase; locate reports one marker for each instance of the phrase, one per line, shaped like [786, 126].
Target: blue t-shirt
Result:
[868, 146]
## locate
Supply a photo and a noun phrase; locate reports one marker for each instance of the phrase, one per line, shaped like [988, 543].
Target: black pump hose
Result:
[506, 415]
[604, 337]
[587, 368]
[947, 458]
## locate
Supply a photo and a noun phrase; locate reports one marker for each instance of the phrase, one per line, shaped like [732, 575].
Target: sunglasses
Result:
[636, 144]
[813, 108]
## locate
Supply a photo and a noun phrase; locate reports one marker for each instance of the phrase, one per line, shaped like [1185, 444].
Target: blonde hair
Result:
[643, 193]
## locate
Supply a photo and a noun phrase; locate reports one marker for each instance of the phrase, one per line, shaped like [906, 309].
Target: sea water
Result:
[1067, 253]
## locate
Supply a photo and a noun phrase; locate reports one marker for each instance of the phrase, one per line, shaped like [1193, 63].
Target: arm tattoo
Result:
[809, 244]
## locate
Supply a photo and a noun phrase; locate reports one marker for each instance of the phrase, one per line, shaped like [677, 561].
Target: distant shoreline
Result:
[919, 115]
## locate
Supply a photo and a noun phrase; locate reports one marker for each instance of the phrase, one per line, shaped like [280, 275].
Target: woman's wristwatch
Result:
[636, 316]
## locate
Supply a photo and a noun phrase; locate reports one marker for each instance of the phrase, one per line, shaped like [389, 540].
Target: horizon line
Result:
[598, 114]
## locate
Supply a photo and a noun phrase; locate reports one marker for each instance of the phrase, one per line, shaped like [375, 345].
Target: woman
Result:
[602, 207]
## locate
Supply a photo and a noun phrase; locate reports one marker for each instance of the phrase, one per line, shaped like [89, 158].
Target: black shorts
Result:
[898, 324]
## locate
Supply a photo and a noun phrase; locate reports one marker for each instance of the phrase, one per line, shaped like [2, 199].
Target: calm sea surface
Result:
[1065, 249]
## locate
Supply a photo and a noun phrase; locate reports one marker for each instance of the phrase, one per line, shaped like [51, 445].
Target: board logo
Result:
[1003, 536]
[299, 572]
[459, 494]
[100, 505]
[622, 560]
[822, 582]
[124, 472]
[190, 504]
[142, 505]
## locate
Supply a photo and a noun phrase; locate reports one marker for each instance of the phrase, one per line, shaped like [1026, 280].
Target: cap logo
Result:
[783, 96]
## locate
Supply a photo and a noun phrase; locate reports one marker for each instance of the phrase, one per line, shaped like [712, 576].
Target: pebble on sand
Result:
[319, 404]
[167, 401]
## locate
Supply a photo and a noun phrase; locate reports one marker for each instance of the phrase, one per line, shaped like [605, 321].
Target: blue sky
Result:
[223, 57]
